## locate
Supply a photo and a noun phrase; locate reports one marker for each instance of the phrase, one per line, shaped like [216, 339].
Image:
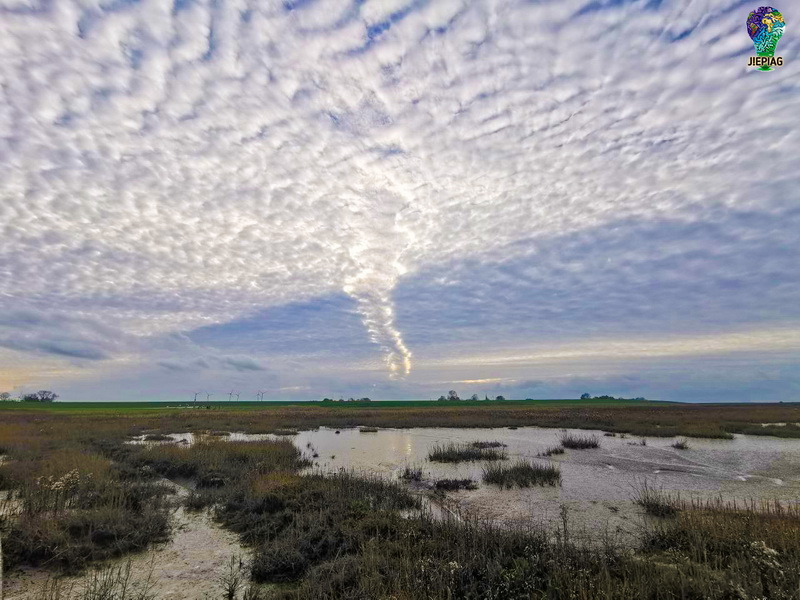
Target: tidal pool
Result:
[597, 484]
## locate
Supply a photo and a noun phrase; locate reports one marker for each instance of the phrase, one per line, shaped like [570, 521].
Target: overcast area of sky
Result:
[394, 198]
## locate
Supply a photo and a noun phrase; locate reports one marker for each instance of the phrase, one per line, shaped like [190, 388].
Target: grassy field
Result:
[631, 417]
[125, 407]
[80, 495]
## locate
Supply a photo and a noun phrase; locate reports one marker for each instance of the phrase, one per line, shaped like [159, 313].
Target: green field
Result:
[271, 404]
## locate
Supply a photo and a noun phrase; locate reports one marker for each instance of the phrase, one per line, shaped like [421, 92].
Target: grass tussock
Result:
[521, 473]
[411, 474]
[451, 485]
[552, 451]
[452, 452]
[681, 444]
[656, 501]
[488, 444]
[578, 441]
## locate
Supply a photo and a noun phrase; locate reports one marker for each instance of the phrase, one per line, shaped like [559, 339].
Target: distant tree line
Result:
[365, 399]
[40, 396]
[588, 396]
[452, 396]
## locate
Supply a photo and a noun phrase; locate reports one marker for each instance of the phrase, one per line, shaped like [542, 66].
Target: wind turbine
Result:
[237, 396]
[230, 396]
[195, 397]
[208, 396]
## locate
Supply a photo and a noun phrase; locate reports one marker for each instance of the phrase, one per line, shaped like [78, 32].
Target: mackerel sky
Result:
[397, 198]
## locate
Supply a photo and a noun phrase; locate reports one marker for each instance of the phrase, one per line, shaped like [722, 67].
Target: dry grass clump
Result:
[680, 444]
[756, 544]
[521, 473]
[452, 452]
[578, 441]
[75, 508]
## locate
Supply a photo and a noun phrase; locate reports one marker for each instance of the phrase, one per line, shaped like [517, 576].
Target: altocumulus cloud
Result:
[457, 169]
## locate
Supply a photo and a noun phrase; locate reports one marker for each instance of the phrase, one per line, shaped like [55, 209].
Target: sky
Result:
[395, 198]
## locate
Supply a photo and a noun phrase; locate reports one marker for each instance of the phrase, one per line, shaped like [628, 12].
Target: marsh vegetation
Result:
[521, 473]
[579, 441]
[81, 495]
[453, 452]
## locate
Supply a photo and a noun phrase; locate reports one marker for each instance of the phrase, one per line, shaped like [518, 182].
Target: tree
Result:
[442, 398]
[500, 398]
[474, 397]
[5, 396]
[40, 396]
[452, 395]
[585, 396]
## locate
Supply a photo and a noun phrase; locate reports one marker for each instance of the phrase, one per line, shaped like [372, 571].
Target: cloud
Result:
[58, 334]
[168, 168]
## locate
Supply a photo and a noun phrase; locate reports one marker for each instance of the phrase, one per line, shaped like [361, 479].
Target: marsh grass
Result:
[578, 441]
[452, 452]
[328, 537]
[411, 474]
[551, 451]
[75, 508]
[656, 501]
[521, 473]
[116, 582]
[488, 444]
[450, 485]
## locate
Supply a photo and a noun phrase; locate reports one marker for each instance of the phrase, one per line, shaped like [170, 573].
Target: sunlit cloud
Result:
[479, 185]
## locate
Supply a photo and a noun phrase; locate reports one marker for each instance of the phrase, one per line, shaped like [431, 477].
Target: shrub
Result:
[680, 444]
